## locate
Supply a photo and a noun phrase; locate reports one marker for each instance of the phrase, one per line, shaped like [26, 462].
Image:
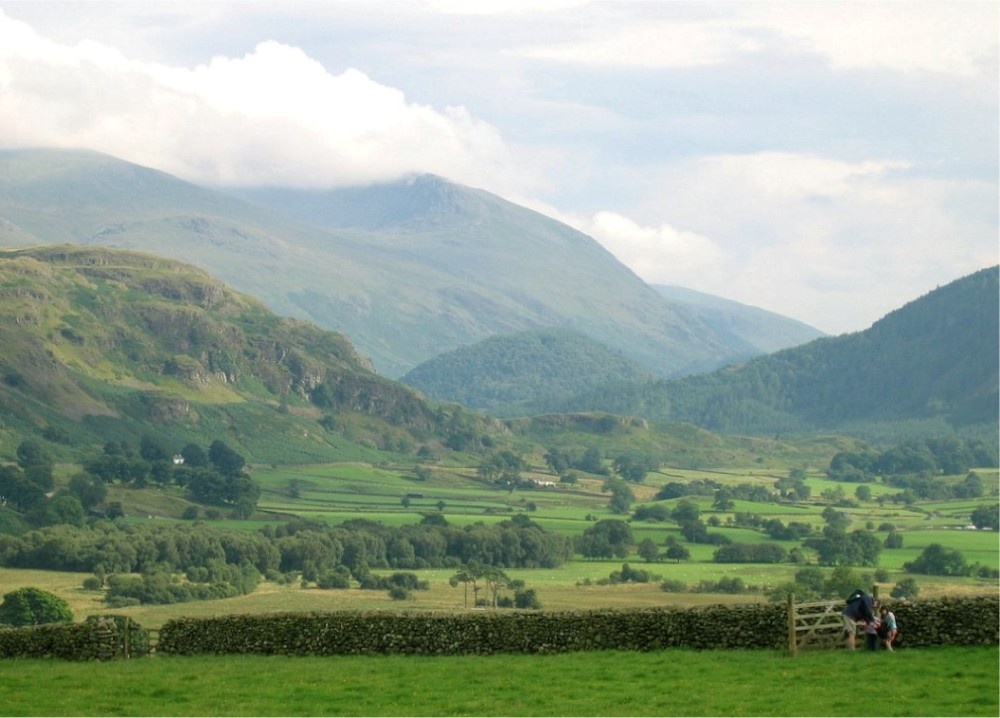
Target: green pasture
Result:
[948, 681]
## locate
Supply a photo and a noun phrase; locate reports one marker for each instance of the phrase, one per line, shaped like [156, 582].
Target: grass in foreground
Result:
[916, 682]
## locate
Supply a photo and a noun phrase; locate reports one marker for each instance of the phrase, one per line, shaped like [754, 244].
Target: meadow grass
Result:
[947, 681]
[571, 587]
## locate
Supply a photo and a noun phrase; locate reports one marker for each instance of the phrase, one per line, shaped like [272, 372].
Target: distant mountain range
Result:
[98, 344]
[932, 365]
[407, 271]
[514, 374]
[477, 301]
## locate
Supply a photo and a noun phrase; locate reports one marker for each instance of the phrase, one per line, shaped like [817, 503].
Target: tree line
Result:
[215, 557]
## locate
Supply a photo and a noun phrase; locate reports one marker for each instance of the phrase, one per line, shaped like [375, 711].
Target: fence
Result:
[817, 624]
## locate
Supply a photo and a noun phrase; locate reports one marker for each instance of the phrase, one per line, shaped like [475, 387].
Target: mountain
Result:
[933, 362]
[99, 344]
[765, 331]
[406, 270]
[505, 374]
[514, 374]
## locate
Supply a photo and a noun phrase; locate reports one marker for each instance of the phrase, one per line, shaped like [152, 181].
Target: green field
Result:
[926, 682]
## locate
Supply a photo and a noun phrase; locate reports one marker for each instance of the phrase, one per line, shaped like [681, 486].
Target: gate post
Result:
[792, 641]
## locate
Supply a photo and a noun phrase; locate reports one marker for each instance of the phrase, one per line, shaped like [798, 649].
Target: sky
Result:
[829, 161]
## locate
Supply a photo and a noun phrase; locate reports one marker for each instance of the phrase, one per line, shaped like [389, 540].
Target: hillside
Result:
[99, 344]
[765, 331]
[505, 374]
[511, 374]
[406, 271]
[932, 362]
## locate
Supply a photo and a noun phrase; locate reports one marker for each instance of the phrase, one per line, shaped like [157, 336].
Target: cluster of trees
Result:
[726, 584]
[937, 560]
[312, 549]
[215, 476]
[31, 606]
[750, 553]
[726, 495]
[476, 577]
[924, 487]
[204, 583]
[929, 457]
[986, 517]
[591, 461]
[608, 538]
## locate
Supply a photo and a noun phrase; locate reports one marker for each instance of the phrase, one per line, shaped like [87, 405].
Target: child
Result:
[889, 627]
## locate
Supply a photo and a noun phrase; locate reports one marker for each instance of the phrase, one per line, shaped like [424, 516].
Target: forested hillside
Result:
[933, 362]
[506, 374]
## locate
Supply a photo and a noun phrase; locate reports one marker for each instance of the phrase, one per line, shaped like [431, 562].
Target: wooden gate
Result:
[817, 624]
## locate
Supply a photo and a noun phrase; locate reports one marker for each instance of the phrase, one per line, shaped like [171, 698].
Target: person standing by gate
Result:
[860, 609]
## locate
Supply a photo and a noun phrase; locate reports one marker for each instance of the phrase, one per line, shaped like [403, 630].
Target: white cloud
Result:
[656, 45]
[500, 7]
[659, 255]
[274, 116]
[957, 38]
[834, 243]
[949, 37]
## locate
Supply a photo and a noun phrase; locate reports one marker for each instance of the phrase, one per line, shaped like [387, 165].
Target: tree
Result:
[226, 461]
[194, 456]
[836, 519]
[32, 607]
[64, 508]
[622, 496]
[648, 550]
[41, 476]
[592, 462]
[905, 590]
[842, 581]
[502, 468]
[466, 575]
[723, 500]
[678, 553]
[936, 560]
[558, 461]
[894, 540]
[608, 538]
[685, 511]
[20, 494]
[31, 453]
[495, 579]
[633, 468]
[986, 517]
[153, 450]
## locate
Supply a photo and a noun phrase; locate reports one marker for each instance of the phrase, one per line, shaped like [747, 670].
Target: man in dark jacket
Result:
[860, 609]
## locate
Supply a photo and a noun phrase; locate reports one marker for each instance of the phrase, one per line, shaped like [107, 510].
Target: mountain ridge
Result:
[453, 266]
[934, 360]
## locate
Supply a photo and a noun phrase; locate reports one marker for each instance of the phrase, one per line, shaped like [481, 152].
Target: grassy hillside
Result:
[99, 344]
